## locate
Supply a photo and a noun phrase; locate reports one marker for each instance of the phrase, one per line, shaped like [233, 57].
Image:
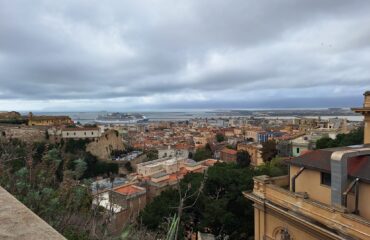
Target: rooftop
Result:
[358, 110]
[129, 189]
[320, 160]
[210, 162]
[48, 117]
[104, 184]
[81, 129]
[159, 174]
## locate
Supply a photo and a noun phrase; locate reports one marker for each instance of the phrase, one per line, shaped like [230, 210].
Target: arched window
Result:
[282, 234]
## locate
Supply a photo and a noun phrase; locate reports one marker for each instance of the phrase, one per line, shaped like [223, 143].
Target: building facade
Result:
[324, 196]
[81, 133]
[302, 144]
[228, 155]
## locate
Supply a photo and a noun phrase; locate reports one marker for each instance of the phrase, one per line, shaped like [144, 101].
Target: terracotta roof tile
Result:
[128, 189]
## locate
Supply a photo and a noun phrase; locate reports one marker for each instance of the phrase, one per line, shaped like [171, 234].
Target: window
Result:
[326, 179]
[282, 234]
[67, 134]
[92, 133]
[85, 133]
[297, 150]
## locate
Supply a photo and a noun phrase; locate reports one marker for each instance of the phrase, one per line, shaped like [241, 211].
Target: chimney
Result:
[365, 111]
[367, 99]
[339, 172]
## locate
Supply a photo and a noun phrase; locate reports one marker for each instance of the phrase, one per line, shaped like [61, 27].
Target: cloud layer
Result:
[162, 54]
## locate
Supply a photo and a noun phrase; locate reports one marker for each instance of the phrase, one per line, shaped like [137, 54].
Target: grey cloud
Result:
[135, 50]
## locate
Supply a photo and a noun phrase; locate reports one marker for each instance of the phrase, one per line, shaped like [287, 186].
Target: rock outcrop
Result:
[103, 146]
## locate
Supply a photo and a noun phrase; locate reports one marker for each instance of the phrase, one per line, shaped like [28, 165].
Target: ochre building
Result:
[48, 120]
[326, 195]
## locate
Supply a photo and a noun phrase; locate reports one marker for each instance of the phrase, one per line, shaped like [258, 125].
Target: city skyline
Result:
[164, 55]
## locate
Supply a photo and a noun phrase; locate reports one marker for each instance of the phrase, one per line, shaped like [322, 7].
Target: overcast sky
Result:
[191, 54]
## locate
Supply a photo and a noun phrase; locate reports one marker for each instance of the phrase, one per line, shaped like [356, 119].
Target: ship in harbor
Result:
[120, 118]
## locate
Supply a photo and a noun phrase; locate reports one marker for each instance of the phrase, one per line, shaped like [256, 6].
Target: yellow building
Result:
[254, 150]
[48, 120]
[365, 110]
[325, 196]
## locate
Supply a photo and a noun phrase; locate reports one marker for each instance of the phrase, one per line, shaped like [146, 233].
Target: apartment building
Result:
[167, 165]
[325, 196]
[161, 174]
[303, 144]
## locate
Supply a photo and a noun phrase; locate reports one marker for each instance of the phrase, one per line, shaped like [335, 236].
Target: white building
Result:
[172, 152]
[81, 133]
[167, 165]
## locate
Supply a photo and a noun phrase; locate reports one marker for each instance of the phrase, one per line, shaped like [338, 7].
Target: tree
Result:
[220, 208]
[243, 158]
[154, 213]
[269, 150]
[180, 202]
[75, 146]
[95, 167]
[231, 147]
[47, 135]
[276, 167]
[129, 167]
[325, 142]
[220, 137]
[152, 154]
[202, 154]
[80, 168]
[64, 203]
[354, 137]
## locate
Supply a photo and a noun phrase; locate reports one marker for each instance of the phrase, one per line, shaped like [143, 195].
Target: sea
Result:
[89, 117]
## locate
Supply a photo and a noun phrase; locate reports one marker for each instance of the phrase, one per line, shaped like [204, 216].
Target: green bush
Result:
[74, 146]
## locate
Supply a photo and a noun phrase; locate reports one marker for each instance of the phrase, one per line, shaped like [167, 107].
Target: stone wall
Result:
[24, 133]
[19, 222]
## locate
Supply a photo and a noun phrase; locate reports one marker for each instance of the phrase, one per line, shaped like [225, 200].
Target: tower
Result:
[365, 111]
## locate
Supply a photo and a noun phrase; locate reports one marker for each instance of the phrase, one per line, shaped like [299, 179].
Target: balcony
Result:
[273, 193]
[19, 222]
